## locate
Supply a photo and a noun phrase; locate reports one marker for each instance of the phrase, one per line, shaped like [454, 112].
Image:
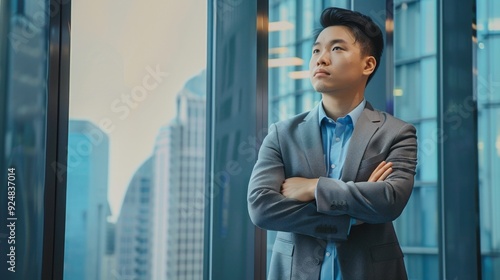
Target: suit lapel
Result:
[312, 144]
[367, 124]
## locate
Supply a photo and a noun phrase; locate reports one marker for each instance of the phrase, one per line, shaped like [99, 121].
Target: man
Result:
[332, 180]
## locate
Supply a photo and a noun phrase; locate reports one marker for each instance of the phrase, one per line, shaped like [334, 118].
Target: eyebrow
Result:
[331, 42]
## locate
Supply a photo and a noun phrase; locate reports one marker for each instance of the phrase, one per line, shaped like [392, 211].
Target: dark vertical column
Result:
[376, 90]
[389, 56]
[4, 24]
[5, 18]
[29, 32]
[458, 164]
[207, 240]
[260, 265]
[57, 140]
[237, 122]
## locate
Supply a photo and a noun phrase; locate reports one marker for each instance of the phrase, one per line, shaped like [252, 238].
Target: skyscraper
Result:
[133, 228]
[179, 184]
[87, 193]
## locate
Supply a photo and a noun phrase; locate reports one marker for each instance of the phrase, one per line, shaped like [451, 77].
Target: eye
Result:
[315, 51]
[336, 49]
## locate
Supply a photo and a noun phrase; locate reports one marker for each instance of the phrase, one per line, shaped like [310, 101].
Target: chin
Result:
[322, 88]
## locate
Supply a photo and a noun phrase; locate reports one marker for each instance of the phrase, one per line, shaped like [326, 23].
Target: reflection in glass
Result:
[24, 50]
[488, 102]
[415, 101]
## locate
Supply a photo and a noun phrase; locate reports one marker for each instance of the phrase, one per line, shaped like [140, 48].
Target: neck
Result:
[339, 105]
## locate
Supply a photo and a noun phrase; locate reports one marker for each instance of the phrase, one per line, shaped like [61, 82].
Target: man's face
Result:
[337, 63]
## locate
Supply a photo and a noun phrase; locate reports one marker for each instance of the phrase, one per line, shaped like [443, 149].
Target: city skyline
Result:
[162, 225]
[118, 54]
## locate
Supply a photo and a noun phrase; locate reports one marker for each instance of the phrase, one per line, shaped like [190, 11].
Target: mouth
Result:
[321, 72]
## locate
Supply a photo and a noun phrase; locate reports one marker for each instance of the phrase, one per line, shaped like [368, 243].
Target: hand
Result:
[381, 172]
[299, 188]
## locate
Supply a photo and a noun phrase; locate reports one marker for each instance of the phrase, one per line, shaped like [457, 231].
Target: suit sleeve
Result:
[270, 210]
[374, 202]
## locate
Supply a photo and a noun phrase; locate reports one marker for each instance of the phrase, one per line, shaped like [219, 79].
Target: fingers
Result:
[381, 172]
[385, 174]
[376, 173]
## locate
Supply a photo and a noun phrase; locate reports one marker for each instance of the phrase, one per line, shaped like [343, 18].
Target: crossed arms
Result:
[308, 205]
[304, 189]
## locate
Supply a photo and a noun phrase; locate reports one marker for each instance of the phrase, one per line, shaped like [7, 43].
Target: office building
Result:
[133, 228]
[87, 194]
[179, 187]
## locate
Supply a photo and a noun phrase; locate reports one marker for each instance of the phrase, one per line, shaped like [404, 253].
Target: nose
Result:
[323, 59]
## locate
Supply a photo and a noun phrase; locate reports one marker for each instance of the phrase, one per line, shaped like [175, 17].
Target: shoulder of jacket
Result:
[391, 120]
[291, 122]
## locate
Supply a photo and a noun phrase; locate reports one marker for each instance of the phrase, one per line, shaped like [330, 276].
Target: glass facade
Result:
[415, 100]
[488, 102]
[24, 70]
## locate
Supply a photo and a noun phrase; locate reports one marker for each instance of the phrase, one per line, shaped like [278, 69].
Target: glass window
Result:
[415, 89]
[24, 71]
[136, 147]
[415, 101]
[488, 101]
[406, 31]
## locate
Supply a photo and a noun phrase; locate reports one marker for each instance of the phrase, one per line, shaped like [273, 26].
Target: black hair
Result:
[365, 31]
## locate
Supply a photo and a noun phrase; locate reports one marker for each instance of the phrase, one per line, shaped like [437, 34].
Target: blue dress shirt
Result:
[336, 136]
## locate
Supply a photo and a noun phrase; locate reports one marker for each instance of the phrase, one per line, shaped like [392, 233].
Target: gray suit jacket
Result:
[293, 148]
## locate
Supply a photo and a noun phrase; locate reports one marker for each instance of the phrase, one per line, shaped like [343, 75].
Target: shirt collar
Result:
[354, 114]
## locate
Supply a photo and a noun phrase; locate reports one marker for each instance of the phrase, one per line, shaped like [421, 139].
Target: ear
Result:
[369, 65]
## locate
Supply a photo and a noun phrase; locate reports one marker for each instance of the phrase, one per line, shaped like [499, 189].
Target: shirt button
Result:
[337, 139]
[328, 254]
[333, 166]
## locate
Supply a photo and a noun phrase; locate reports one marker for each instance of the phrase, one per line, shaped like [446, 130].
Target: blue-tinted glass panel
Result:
[24, 64]
[304, 82]
[308, 18]
[488, 98]
[287, 16]
[422, 266]
[407, 91]
[428, 140]
[346, 4]
[415, 40]
[428, 31]
[489, 179]
[406, 31]
[415, 100]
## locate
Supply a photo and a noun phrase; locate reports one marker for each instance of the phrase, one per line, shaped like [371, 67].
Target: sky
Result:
[129, 59]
